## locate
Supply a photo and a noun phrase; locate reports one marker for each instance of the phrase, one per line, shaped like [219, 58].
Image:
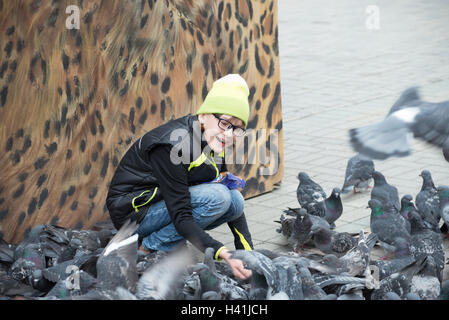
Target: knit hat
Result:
[229, 95]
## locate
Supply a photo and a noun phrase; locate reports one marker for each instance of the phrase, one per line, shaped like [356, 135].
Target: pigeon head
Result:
[443, 192]
[406, 201]
[302, 176]
[379, 178]
[427, 179]
[336, 192]
[302, 212]
[416, 222]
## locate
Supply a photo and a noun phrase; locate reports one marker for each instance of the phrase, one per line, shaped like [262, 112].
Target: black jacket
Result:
[146, 174]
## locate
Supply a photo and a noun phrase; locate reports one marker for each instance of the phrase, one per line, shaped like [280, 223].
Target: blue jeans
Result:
[212, 205]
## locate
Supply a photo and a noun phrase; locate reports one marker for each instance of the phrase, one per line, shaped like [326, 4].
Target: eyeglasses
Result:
[226, 125]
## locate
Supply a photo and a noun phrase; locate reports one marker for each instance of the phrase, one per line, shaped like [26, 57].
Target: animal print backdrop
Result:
[72, 100]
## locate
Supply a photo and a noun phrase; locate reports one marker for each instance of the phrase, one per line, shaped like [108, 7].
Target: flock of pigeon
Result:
[104, 264]
[410, 233]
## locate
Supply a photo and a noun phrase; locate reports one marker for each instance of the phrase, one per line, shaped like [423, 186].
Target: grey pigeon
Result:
[278, 275]
[358, 174]
[425, 242]
[387, 225]
[406, 207]
[333, 207]
[399, 282]
[428, 201]
[356, 260]
[391, 137]
[213, 280]
[402, 258]
[443, 193]
[329, 241]
[308, 192]
[427, 282]
[302, 227]
[387, 194]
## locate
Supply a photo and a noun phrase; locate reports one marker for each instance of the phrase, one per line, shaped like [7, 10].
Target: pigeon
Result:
[308, 192]
[443, 193]
[212, 280]
[428, 201]
[425, 242]
[275, 276]
[402, 258]
[358, 174]
[356, 260]
[392, 136]
[426, 284]
[329, 241]
[333, 207]
[399, 282]
[384, 192]
[387, 225]
[302, 227]
[406, 207]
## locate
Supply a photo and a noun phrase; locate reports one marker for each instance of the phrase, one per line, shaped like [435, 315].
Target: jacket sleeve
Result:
[173, 183]
[242, 236]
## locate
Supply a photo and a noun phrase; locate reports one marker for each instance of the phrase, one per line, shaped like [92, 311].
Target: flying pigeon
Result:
[428, 201]
[116, 266]
[358, 174]
[384, 192]
[308, 192]
[387, 225]
[391, 137]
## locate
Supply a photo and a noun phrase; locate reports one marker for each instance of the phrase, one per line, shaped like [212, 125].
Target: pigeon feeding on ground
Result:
[428, 201]
[297, 230]
[358, 174]
[391, 137]
[329, 241]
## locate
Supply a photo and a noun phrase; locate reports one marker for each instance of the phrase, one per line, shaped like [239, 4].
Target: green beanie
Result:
[229, 95]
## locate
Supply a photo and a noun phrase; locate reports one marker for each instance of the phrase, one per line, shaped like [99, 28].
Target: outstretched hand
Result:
[237, 265]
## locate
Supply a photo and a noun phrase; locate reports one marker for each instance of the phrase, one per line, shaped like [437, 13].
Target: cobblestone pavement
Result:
[339, 70]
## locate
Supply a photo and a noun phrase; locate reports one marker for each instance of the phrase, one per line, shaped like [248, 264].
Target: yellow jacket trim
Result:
[245, 243]
[218, 252]
[140, 205]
